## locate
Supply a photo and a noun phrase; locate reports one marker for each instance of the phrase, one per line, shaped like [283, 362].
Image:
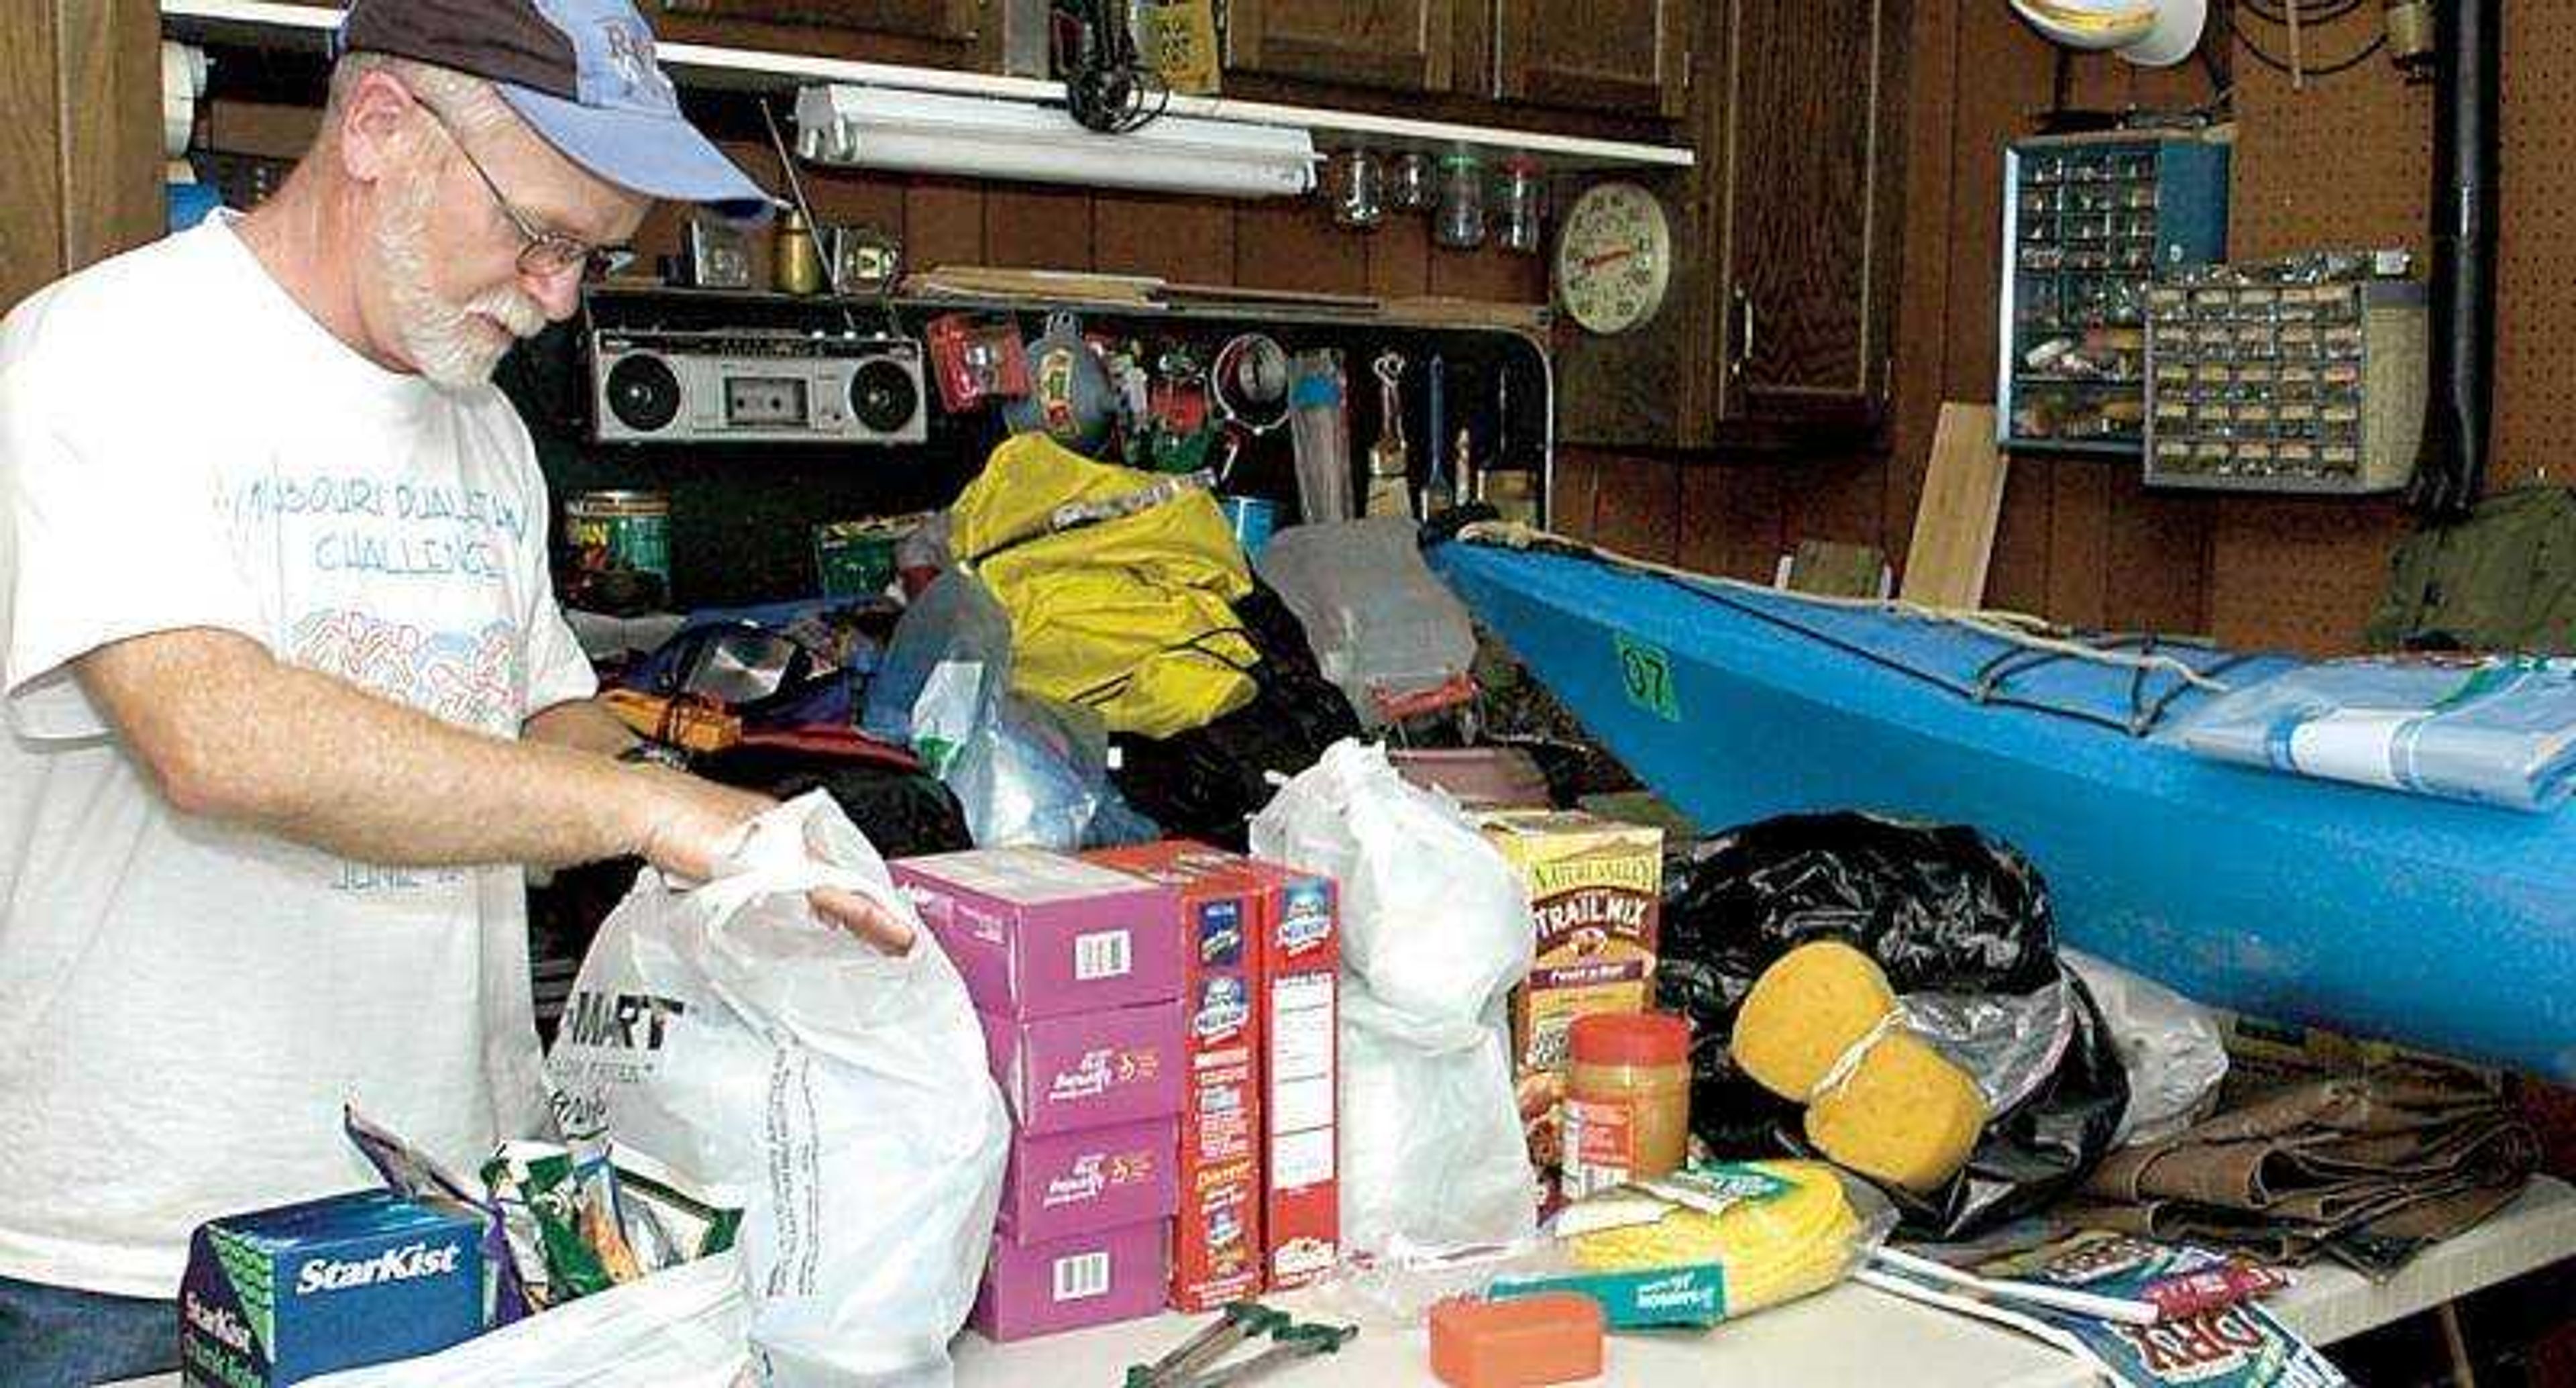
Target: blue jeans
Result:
[57, 1337]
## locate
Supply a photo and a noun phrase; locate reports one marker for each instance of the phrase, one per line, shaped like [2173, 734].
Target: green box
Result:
[855, 559]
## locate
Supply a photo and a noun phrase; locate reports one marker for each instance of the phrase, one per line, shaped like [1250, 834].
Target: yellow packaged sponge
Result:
[1787, 1229]
[1811, 1006]
[1905, 1115]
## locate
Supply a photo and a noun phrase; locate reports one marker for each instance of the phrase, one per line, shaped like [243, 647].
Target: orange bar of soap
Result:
[1522, 1343]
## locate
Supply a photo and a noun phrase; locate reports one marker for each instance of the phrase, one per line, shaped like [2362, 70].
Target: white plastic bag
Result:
[2170, 1046]
[840, 1092]
[1435, 931]
[683, 1328]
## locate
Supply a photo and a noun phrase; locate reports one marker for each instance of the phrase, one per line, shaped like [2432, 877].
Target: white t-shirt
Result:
[184, 1006]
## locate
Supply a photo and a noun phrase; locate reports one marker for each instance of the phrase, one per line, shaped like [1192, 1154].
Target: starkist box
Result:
[1596, 901]
[279, 1296]
[1216, 1239]
[1038, 934]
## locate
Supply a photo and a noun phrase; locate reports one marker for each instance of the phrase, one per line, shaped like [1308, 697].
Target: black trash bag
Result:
[905, 813]
[1207, 783]
[1943, 910]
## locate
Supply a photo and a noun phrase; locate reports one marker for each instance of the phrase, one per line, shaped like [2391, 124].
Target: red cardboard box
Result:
[1301, 953]
[1216, 1239]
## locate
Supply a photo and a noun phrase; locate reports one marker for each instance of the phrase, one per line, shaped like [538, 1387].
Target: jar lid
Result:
[1630, 1038]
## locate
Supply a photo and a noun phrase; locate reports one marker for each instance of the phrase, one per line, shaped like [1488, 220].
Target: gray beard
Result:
[446, 342]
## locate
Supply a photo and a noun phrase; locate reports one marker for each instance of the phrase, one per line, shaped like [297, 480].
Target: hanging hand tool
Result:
[1244, 1320]
[1390, 487]
[1287, 1347]
[1438, 493]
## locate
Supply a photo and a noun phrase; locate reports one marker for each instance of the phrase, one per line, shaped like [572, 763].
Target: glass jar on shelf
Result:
[1355, 188]
[1409, 185]
[1459, 221]
[1521, 226]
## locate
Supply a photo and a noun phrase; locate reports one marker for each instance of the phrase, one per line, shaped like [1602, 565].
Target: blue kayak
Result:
[2443, 925]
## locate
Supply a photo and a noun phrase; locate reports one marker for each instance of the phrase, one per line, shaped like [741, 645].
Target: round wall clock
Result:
[1614, 258]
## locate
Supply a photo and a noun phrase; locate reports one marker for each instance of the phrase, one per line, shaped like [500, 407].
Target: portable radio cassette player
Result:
[755, 386]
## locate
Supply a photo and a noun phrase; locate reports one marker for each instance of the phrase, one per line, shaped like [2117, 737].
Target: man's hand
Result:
[696, 823]
[863, 918]
[689, 823]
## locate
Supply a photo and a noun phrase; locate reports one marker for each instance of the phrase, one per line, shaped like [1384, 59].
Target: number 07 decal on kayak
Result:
[1646, 673]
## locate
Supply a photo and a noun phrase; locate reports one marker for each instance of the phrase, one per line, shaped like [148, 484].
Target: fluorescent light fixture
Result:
[981, 137]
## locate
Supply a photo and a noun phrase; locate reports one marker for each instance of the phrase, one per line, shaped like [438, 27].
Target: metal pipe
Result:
[2451, 471]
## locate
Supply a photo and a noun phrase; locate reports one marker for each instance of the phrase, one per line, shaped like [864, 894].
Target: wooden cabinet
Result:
[1787, 238]
[1808, 214]
[947, 33]
[1626, 57]
[1396, 45]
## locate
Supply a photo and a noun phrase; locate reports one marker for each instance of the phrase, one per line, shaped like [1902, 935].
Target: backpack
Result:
[2501, 579]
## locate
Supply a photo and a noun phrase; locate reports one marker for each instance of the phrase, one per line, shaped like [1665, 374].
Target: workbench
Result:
[1851, 1335]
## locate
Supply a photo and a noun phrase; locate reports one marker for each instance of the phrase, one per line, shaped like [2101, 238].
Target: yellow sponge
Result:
[1813, 1004]
[1773, 1250]
[1906, 1115]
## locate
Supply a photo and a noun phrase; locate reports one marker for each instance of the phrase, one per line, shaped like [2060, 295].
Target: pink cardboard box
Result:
[1099, 1070]
[1066, 1284]
[1082, 1182]
[1040, 934]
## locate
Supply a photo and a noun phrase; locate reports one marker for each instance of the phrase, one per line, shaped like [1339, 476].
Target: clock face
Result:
[1614, 258]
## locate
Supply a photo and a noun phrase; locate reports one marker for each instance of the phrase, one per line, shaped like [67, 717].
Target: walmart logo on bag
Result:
[624, 1021]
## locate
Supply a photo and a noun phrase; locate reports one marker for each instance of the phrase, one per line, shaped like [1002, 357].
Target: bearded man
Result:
[288, 700]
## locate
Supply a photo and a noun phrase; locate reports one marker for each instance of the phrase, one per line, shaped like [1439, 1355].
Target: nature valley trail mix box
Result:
[1596, 902]
[279, 1296]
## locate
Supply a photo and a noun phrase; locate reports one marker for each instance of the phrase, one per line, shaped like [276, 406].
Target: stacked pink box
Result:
[1076, 971]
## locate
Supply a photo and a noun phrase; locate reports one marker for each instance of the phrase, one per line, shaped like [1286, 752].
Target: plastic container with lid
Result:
[1627, 1099]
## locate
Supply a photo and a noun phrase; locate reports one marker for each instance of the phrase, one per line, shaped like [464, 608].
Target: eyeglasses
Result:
[542, 254]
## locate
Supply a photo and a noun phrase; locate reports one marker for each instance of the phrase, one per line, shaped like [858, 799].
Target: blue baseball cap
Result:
[582, 74]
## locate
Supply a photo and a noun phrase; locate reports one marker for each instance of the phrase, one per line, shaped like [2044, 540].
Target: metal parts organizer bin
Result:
[2089, 222]
[2264, 382]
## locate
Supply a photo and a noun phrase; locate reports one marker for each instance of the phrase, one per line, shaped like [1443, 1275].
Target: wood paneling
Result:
[1399, 259]
[110, 70]
[943, 223]
[80, 136]
[1188, 242]
[1731, 520]
[31, 224]
[1644, 516]
[1043, 228]
[1294, 245]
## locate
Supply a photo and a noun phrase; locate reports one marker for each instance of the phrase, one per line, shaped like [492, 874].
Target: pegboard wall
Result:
[2343, 160]
[2347, 160]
